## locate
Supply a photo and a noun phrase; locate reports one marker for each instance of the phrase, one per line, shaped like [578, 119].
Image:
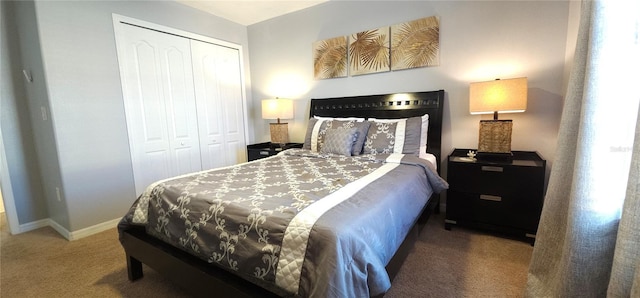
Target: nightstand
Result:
[500, 196]
[262, 150]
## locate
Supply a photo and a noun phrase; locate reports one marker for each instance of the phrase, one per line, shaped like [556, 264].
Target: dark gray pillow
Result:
[362, 128]
[339, 140]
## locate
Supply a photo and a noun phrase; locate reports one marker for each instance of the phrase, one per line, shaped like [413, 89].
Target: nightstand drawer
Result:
[479, 178]
[491, 209]
[258, 154]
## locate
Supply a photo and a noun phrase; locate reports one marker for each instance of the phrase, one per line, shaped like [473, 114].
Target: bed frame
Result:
[203, 279]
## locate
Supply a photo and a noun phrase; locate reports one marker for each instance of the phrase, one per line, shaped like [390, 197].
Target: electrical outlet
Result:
[58, 194]
[43, 110]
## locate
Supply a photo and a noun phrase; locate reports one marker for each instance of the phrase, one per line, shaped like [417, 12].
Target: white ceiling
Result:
[247, 12]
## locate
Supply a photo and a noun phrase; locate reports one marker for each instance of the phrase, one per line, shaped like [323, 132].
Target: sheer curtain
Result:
[588, 241]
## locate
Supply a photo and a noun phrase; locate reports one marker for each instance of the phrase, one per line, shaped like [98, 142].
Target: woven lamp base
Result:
[495, 140]
[279, 133]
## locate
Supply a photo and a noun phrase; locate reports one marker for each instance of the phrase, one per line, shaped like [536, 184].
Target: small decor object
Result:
[492, 97]
[415, 43]
[369, 52]
[471, 154]
[276, 109]
[330, 58]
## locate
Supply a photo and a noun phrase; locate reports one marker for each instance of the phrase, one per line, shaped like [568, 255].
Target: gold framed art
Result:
[330, 58]
[402, 46]
[415, 43]
[369, 52]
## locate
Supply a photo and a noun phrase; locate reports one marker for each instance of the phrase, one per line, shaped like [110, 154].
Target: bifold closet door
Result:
[160, 104]
[218, 87]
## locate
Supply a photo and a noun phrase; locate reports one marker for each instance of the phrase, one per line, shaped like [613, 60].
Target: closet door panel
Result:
[220, 104]
[181, 105]
[231, 90]
[146, 101]
[155, 166]
[159, 104]
[209, 103]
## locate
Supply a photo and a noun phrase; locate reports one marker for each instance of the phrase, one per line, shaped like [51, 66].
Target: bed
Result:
[311, 222]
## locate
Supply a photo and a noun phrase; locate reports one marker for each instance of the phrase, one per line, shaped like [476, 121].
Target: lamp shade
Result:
[278, 108]
[505, 96]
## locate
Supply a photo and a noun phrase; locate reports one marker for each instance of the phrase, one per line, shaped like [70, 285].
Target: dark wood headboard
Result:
[390, 106]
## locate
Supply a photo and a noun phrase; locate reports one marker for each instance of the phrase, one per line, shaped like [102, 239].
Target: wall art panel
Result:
[415, 43]
[330, 58]
[369, 52]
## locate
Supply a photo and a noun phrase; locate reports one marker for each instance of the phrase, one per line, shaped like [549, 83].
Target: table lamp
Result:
[278, 108]
[493, 97]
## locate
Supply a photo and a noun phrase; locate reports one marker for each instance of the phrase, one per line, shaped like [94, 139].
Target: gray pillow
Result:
[362, 128]
[325, 124]
[394, 136]
[381, 138]
[315, 141]
[339, 140]
[307, 137]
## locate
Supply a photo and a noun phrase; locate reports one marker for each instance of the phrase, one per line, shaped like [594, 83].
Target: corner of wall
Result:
[38, 105]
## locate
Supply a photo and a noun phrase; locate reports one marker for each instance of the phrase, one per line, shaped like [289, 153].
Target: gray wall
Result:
[83, 90]
[478, 41]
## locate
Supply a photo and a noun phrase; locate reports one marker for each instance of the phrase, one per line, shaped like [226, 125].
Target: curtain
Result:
[588, 240]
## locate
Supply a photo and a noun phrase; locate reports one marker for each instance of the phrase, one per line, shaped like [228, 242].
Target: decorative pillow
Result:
[362, 127]
[395, 136]
[307, 136]
[413, 130]
[339, 140]
[317, 129]
[381, 138]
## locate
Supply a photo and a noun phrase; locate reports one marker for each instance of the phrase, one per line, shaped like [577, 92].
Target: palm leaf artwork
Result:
[415, 43]
[330, 58]
[369, 52]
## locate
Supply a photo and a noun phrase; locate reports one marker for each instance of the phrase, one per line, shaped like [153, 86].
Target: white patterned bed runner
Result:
[296, 236]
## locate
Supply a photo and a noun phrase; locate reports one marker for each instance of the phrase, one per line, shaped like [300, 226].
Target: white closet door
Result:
[159, 103]
[218, 86]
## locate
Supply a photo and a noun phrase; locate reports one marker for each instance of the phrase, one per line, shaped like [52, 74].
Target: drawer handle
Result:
[490, 198]
[492, 169]
[264, 152]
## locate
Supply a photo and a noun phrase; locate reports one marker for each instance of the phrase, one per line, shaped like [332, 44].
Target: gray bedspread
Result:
[308, 224]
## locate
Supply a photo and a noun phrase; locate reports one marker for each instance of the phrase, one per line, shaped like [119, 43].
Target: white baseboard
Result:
[75, 235]
[33, 225]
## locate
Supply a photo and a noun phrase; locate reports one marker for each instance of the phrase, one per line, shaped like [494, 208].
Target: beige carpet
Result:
[457, 263]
